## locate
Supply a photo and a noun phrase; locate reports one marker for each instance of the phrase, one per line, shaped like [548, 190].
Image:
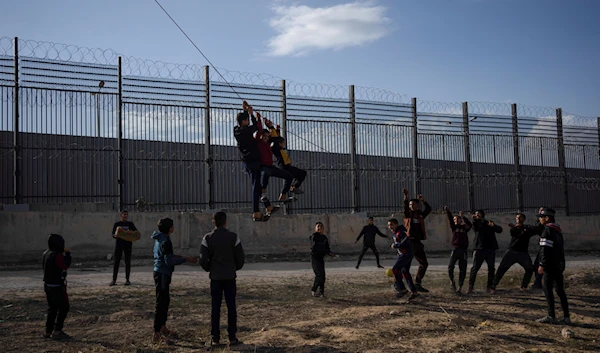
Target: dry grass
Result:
[277, 314]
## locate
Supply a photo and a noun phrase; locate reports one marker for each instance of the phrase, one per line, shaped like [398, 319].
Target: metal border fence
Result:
[82, 125]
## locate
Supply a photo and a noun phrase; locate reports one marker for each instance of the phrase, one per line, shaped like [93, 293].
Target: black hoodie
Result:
[54, 263]
[319, 245]
[485, 235]
[247, 145]
[552, 248]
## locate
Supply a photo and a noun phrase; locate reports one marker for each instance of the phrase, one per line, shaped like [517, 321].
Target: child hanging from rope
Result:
[278, 146]
[267, 169]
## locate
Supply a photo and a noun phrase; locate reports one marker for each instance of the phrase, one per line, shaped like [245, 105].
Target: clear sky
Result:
[537, 52]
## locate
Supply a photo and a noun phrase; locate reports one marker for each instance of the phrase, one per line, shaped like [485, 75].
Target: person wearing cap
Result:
[552, 265]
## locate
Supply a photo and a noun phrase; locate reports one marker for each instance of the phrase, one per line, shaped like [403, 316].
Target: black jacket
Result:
[221, 254]
[552, 248]
[244, 135]
[55, 266]
[369, 231]
[319, 245]
[485, 236]
[521, 236]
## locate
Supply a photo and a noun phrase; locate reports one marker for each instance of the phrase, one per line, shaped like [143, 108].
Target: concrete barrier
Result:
[23, 235]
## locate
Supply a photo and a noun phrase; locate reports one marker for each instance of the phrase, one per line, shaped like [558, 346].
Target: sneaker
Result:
[470, 290]
[413, 295]
[297, 191]
[215, 342]
[566, 320]
[315, 294]
[491, 290]
[523, 289]
[394, 287]
[127, 283]
[378, 266]
[547, 320]
[264, 198]
[273, 210]
[453, 286]
[113, 283]
[234, 341]
[459, 290]
[401, 293]
[356, 267]
[47, 335]
[420, 288]
[60, 335]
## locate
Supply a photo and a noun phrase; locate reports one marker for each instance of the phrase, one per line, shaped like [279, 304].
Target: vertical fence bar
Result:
[468, 166]
[416, 182]
[287, 209]
[561, 158]
[517, 157]
[353, 163]
[599, 136]
[120, 170]
[283, 110]
[208, 155]
[17, 197]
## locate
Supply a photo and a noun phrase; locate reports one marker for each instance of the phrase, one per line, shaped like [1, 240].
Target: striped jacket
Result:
[552, 248]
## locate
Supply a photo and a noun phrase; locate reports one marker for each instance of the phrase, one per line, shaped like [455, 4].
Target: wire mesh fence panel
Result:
[163, 154]
[6, 144]
[356, 143]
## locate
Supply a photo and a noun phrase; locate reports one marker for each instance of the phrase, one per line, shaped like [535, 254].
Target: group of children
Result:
[257, 147]
[221, 254]
[407, 240]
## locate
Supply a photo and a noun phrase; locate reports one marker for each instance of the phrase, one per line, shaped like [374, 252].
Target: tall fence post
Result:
[287, 209]
[561, 158]
[416, 182]
[208, 155]
[120, 171]
[17, 197]
[353, 162]
[517, 157]
[599, 136]
[468, 165]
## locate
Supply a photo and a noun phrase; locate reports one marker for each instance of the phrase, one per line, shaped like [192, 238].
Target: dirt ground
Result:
[277, 314]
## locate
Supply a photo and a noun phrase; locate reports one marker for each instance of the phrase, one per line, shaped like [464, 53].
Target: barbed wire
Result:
[372, 94]
[524, 110]
[6, 46]
[435, 107]
[490, 108]
[318, 90]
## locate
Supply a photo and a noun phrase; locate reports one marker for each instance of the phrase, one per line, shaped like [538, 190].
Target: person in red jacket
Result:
[267, 169]
[460, 226]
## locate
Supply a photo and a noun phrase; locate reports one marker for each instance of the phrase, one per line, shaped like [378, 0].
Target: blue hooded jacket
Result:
[164, 260]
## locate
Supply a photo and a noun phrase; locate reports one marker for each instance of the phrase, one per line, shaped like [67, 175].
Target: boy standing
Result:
[485, 249]
[221, 254]
[460, 226]
[369, 231]
[164, 265]
[414, 222]
[55, 262]
[552, 265]
[122, 246]
[517, 252]
[319, 247]
[401, 268]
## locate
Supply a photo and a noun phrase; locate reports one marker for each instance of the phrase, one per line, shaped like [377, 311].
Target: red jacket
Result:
[266, 155]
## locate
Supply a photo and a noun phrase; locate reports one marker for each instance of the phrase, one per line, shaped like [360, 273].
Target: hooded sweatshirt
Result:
[552, 248]
[54, 263]
[164, 260]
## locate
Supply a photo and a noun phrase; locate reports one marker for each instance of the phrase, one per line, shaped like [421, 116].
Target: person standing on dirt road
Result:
[319, 247]
[552, 265]
[485, 249]
[122, 246]
[414, 222]
[369, 231]
[221, 254]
